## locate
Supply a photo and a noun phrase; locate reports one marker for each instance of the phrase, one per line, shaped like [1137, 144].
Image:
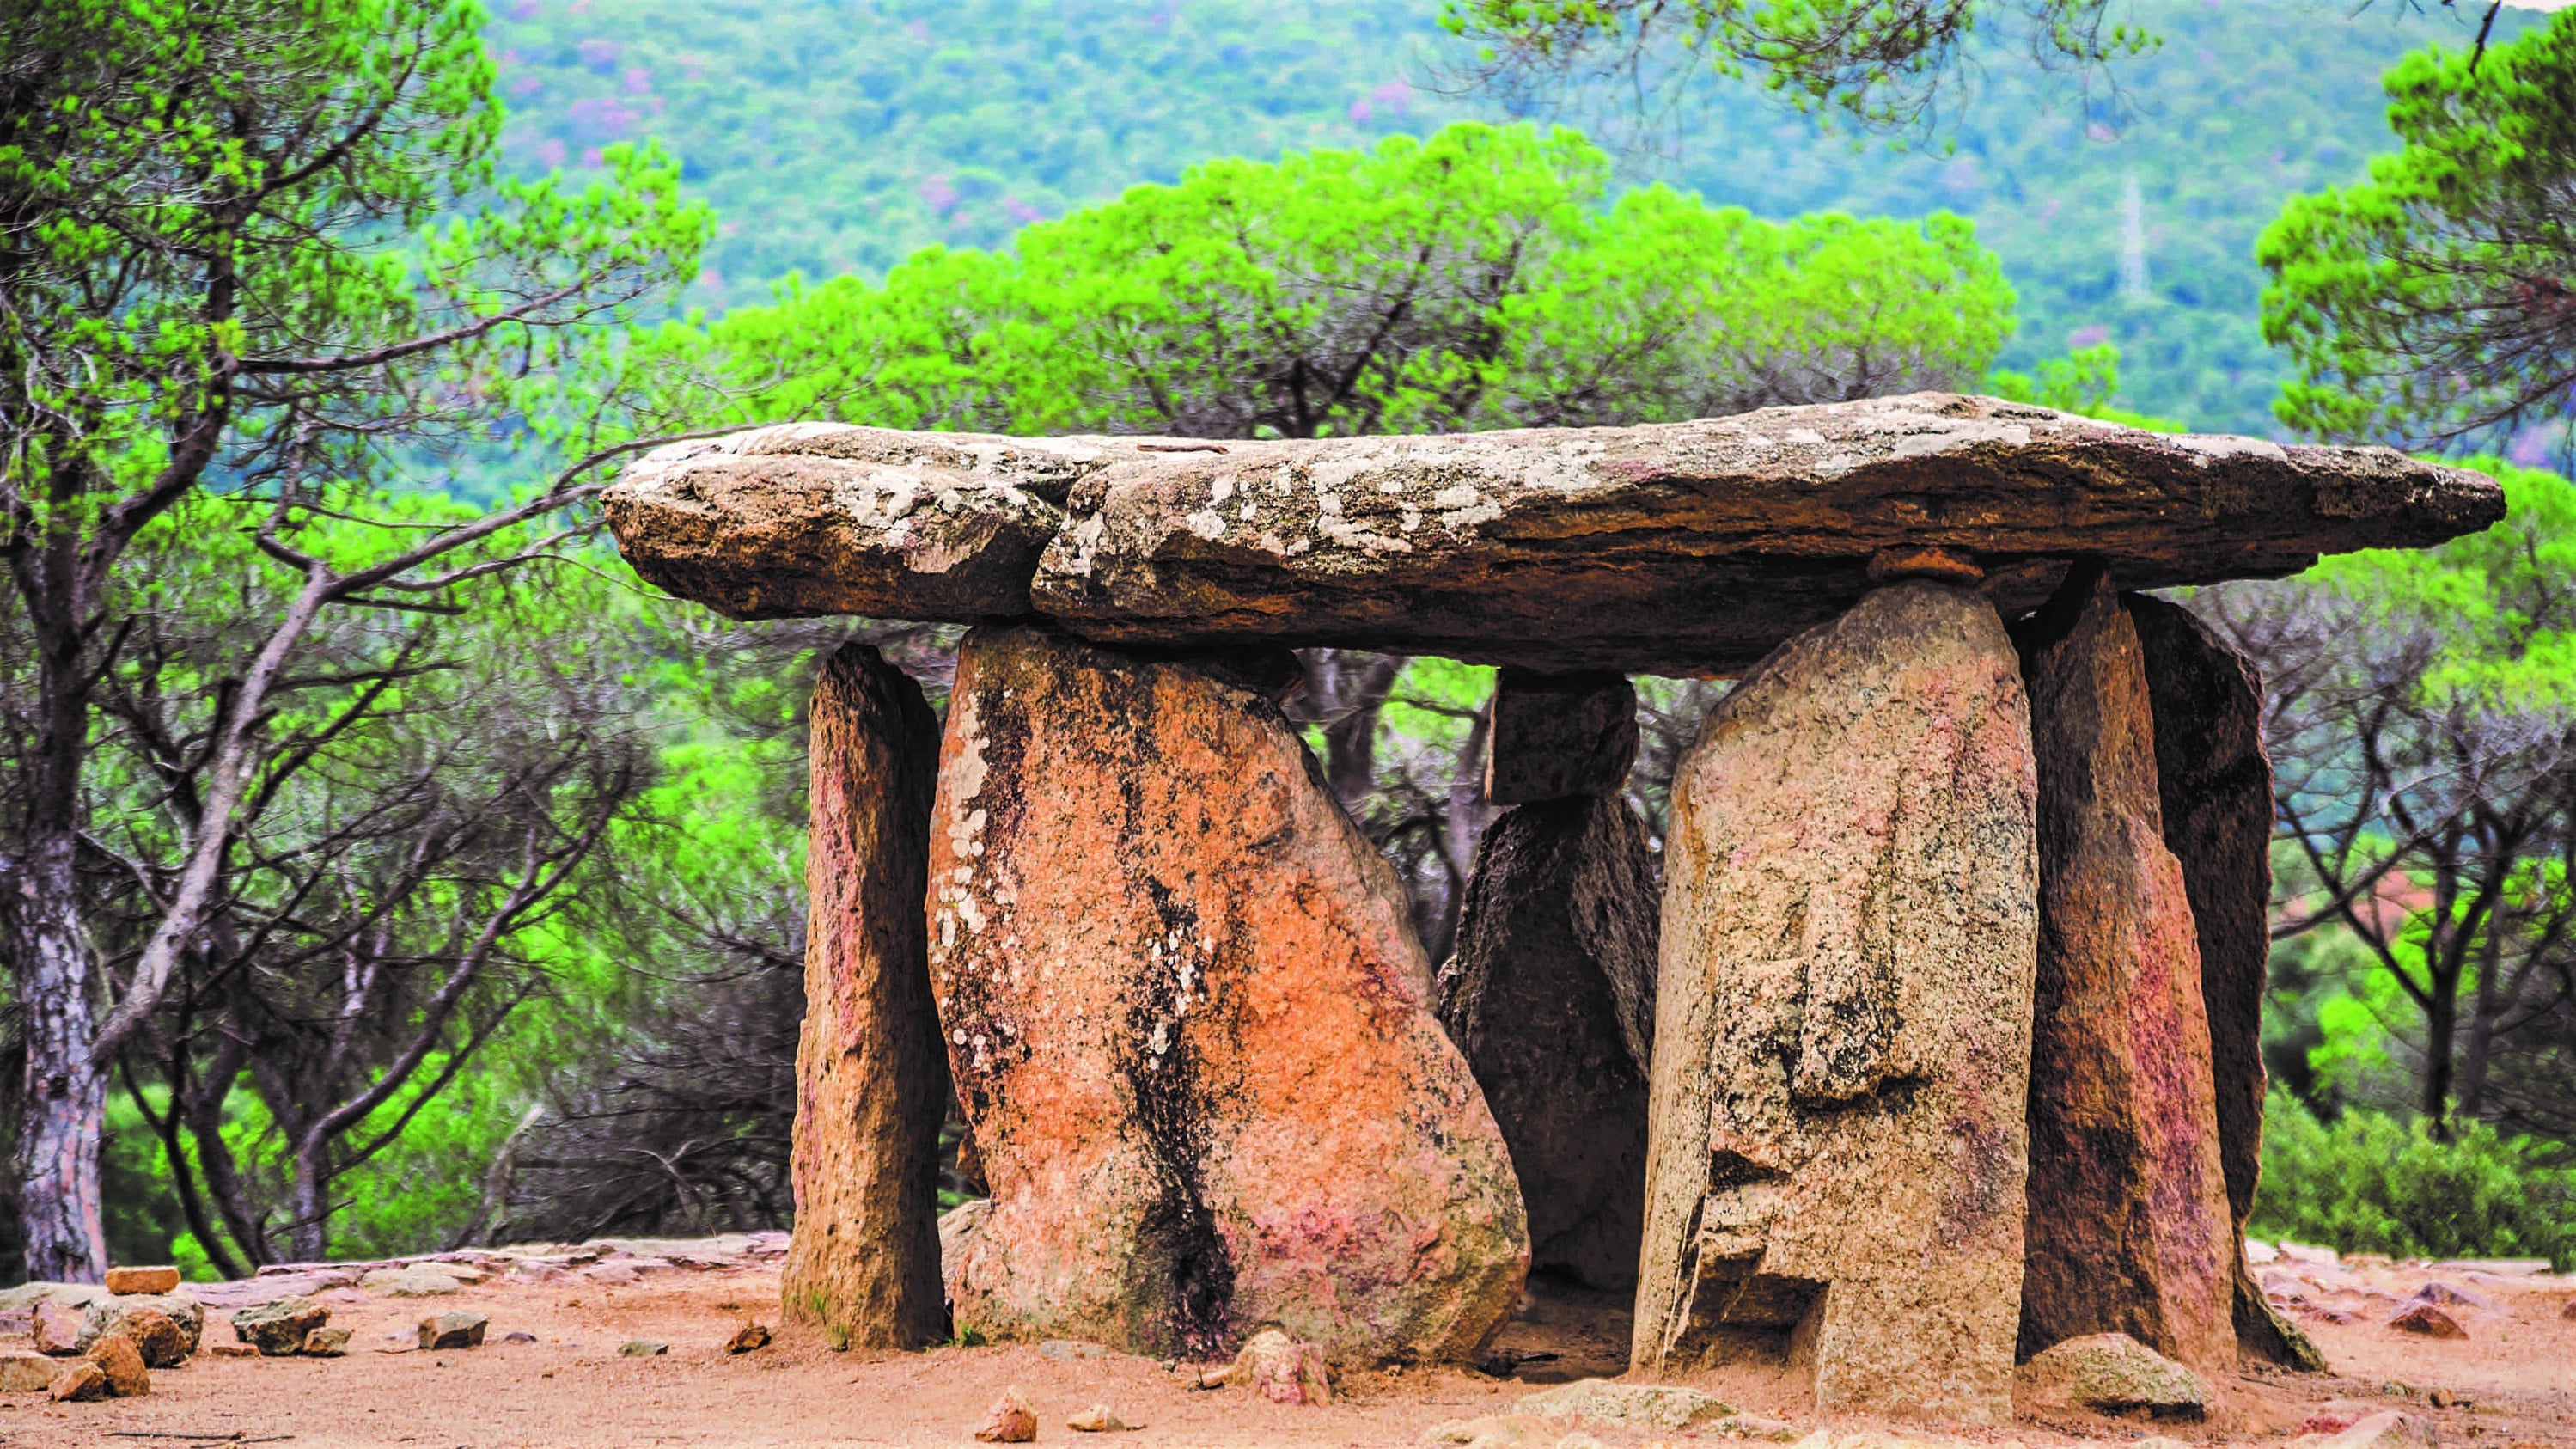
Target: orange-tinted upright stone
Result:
[2130, 1228]
[871, 1079]
[1186, 1015]
[2214, 786]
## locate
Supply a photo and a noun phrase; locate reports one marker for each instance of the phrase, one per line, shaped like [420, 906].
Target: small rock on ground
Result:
[2421, 1317]
[1010, 1421]
[118, 1358]
[1492, 1431]
[415, 1280]
[2113, 1373]
[56, 1326]
[1098, 1420]
[327, 1343]
[157, 1336]
[278, 1329]
[22, 1372]
[747, 1338]
[2387, 1429]
[142, 1280]
[643, 1348]
[2437, 1291]
[1600, 1401]
[1280, 1369]
[454, 1330]
[80, 1382]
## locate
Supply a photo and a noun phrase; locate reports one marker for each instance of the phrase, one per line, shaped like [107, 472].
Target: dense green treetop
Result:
[840, 136]
[1470, 280]
[2437, 300]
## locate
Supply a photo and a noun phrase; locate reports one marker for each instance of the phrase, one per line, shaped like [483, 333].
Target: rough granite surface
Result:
[1678, 548]
[2130, 1226]
[871, 1074]
[1842, 1017]
[1187, 1018]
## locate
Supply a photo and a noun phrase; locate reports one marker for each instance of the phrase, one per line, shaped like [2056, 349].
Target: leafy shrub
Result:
[2368, 1182]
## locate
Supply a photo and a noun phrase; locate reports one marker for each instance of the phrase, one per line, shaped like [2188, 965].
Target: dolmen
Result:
[1928, 1040]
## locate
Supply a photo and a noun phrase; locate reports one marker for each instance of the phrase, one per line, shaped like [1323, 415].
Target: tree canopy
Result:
[2435, 303]
[1474, 279]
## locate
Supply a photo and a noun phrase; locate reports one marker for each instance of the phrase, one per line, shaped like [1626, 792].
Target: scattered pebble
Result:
[453, 1330]
[80, 1382]
[642, 1348]
[1098, 1420]
[748, 1337]
[327, 1342]
[2424, 1318]
[122, 1364]
[1009, 1421]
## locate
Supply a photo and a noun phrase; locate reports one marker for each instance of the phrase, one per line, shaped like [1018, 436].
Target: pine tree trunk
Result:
[66, 1092]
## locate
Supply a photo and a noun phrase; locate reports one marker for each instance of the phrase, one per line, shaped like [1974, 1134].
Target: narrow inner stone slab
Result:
[1681, 548]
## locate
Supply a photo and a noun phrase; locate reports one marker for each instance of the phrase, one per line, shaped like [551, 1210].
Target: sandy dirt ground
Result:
[2511, 1382]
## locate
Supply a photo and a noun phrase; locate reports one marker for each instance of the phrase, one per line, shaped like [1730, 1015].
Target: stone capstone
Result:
[1187, 1020]
[2214, 789]
[818, 518]
[872, 1076]
[1550, 995]
[2113, 1373]
[1841, 1054]
[2131, 1230]
[1677, 548]
[278, 1329]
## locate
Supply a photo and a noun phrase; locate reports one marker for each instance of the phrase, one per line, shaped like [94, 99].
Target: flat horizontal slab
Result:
[1676, 548]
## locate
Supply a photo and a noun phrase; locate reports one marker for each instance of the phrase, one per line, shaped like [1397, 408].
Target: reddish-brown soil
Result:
[2511, 1381]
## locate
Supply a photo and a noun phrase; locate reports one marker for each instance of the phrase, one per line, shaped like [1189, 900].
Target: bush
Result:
[2368, 1182]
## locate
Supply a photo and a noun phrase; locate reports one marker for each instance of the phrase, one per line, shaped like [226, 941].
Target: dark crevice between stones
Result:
[1181, 1257]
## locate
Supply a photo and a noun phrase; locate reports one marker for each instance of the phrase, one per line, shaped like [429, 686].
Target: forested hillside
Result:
[839, 135]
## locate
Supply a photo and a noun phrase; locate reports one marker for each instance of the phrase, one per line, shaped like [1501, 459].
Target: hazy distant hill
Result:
[838, 135]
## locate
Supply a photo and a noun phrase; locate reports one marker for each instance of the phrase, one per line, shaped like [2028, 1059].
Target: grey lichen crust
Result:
[1673, 548]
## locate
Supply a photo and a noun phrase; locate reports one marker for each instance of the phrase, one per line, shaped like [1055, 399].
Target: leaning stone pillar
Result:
[2130, 1227]
[1186, 1014]
[871, 1080]
[2214, 787]
[1551, 993]
[1842, 1016]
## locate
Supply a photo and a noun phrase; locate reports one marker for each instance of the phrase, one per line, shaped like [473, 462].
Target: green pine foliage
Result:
[841, 136]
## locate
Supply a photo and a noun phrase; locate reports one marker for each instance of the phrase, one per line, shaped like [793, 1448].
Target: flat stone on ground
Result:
[1639, 1406]
[2113, 1373]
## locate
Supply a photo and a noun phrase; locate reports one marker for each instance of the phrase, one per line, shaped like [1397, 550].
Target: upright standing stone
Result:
[1551, 993]
[1187, 1017]
[871, 1079]
[1842, 1019]
[2214, 787]
[2130, 1228]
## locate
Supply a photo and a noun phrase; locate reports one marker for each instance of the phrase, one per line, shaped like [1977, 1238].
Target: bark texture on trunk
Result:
[66, 1090]
[2214, 785]
[2130, 1225]
[872, 1074]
